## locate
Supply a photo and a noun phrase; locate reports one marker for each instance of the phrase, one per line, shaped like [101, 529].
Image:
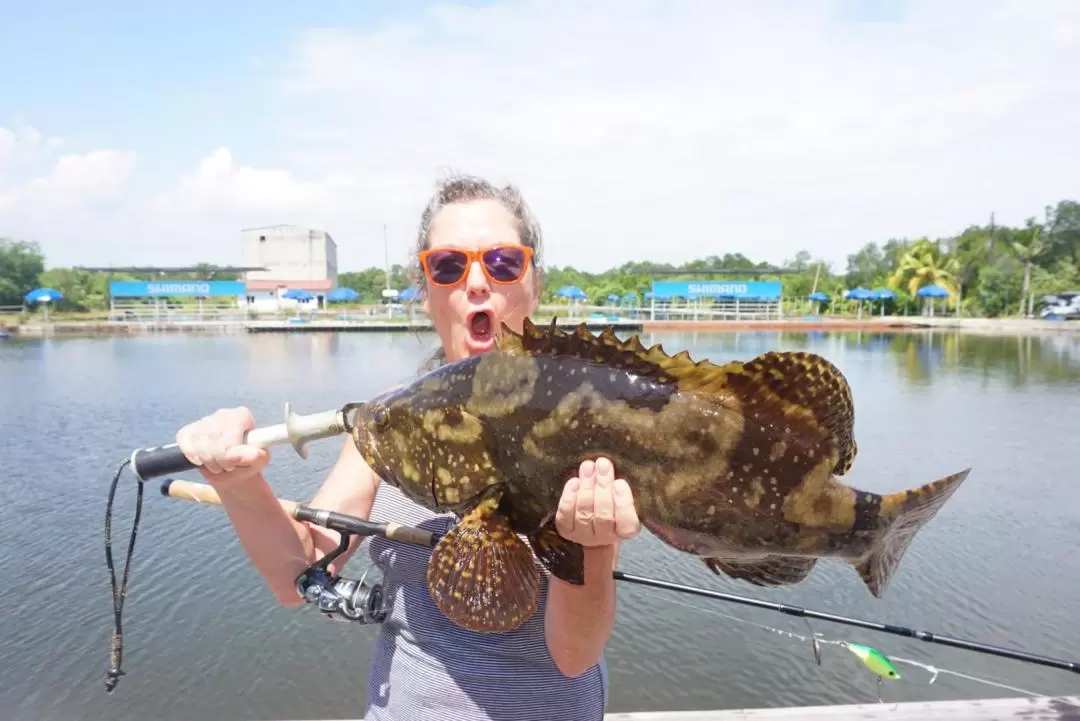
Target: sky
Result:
[151, 133]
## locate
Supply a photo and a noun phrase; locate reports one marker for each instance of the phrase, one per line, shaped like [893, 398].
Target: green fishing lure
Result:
[874, 660]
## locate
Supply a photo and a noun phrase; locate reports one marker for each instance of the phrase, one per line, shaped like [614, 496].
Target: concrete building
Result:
[295, 258]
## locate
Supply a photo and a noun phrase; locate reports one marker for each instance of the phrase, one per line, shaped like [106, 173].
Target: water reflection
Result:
[917, 357]
[274, 356]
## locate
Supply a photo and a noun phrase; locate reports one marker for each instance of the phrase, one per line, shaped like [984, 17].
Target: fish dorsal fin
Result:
[804, 387]
[812, 388]
[607, 349]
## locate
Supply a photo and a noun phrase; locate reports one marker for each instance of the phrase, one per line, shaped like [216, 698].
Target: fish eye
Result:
[381, 416]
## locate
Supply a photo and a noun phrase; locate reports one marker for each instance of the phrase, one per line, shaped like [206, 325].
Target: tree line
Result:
[994, 270]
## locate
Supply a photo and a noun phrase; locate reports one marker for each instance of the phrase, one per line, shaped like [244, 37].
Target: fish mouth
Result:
[368, 446]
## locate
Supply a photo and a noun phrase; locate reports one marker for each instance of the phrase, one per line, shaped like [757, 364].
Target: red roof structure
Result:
[315, 286]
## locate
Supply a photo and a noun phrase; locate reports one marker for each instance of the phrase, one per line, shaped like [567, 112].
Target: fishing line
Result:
[116, 644]
[820, 639]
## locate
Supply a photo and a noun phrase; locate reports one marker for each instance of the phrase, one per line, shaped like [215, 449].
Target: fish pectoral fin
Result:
[565, 559]
[482, 575]
[771, 570]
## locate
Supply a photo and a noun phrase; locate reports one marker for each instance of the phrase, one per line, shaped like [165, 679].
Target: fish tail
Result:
[899, 518]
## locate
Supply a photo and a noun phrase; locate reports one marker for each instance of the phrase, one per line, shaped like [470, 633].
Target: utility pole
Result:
[386, 255]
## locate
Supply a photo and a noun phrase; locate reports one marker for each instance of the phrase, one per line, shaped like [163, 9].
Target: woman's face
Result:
[467, 313]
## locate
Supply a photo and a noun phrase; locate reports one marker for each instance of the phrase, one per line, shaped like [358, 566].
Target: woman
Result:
[424, 667]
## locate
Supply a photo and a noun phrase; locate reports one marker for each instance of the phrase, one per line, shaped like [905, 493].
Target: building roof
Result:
[315, 286]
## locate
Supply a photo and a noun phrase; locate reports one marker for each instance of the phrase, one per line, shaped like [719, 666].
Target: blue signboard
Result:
[740, 289]
[177, 289]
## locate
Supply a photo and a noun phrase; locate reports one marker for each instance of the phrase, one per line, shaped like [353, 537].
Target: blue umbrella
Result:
[297, 294]
[819, 297]
[932, 291]
[613, 298]
[408, 295]
[46, 295]
[340, 295]
[43, 295]
[883, 294]
[859, 294]
[570, 291]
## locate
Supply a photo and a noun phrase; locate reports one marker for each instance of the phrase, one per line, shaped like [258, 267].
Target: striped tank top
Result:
[425, 668]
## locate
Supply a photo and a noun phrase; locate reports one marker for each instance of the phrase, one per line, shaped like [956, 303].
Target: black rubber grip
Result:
[150, 463]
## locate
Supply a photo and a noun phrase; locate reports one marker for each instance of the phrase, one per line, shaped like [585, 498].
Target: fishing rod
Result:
[204, 493]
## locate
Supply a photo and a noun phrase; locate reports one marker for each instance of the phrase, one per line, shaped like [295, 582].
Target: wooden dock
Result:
[1041, 708]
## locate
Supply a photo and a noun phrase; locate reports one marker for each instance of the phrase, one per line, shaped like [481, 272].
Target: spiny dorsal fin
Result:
[607, 349]
[805, 388]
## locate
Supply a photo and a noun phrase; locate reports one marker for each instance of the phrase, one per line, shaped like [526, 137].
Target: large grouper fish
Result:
[734, 463]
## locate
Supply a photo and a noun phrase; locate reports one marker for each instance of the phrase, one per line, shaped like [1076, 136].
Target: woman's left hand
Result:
[597, 509]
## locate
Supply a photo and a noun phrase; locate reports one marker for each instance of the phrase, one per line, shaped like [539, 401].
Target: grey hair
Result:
[460, 188]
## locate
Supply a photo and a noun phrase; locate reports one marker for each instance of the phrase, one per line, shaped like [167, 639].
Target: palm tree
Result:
[1027, 248]
[925, 264]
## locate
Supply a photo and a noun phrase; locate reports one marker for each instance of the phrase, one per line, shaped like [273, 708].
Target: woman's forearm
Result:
[281, 548]
[579, 619]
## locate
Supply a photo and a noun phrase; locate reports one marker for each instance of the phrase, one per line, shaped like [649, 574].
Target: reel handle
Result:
[297, 430]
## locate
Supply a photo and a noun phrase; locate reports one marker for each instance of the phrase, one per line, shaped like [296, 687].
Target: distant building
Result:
[295, 258]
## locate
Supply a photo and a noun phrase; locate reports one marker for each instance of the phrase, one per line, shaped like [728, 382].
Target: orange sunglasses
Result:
[502, 264]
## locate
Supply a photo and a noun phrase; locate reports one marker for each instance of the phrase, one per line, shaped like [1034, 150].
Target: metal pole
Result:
[386, 255]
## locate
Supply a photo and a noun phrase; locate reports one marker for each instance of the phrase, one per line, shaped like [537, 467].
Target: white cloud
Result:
[35, 179]
[75, 204]
[679, 130]
[218, 185]
[100, 175]
[674, 130]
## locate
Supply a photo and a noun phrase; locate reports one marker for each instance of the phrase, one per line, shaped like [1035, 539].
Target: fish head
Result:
[388, 431]
[423, 441]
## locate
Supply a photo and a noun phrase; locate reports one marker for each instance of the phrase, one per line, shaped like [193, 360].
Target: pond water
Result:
[203, 639]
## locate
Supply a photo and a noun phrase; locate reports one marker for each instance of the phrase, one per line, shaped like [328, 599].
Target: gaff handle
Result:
[297, 430]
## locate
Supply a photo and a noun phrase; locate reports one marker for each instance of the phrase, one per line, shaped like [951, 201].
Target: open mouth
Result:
[481, 327]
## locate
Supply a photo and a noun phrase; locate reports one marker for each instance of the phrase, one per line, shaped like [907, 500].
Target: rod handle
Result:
[149, 463]
[205, 493]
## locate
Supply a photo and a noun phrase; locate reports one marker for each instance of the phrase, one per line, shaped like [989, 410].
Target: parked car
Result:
[1060, 306]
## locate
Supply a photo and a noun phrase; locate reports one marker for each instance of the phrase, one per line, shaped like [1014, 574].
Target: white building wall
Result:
[290, 252]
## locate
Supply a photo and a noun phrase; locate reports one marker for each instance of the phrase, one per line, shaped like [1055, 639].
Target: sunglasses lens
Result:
[446, 266]
[505, 264]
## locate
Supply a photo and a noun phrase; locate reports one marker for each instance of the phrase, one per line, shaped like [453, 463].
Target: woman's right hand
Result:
[215, 443]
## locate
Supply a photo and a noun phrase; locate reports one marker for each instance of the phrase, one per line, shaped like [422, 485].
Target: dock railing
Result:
[1030, 708]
